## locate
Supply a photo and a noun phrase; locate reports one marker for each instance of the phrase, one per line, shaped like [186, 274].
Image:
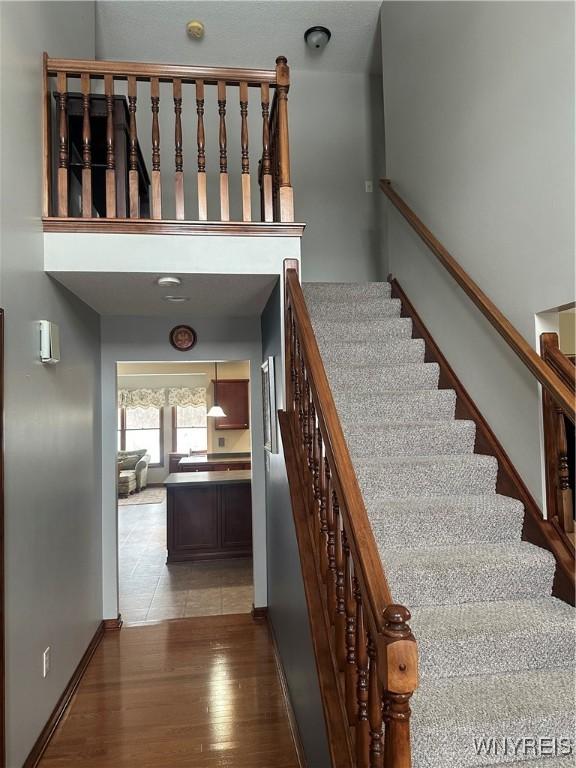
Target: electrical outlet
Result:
[368, 186]
[221, 442]
[46, 662]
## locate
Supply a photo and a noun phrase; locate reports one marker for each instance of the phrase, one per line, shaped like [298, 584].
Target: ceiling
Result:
[241, 33]
[126, 293]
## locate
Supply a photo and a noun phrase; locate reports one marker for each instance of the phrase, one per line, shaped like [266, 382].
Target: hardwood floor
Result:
[199, 692]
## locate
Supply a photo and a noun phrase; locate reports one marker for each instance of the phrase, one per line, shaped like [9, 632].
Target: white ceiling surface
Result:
[124, 293]
[241, 33]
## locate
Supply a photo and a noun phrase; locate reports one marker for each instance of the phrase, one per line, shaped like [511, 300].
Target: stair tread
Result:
[412, 439]
[490, 637]
[468, 573]
[444, 521]
[449, 713]
[339, 291]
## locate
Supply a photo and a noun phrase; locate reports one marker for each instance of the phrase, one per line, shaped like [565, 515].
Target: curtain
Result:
[187, 396]
[141, 398]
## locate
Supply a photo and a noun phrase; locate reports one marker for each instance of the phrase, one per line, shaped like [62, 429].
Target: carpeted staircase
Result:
[497, 652]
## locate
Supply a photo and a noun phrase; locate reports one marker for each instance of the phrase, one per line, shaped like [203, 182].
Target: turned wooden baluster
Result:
[565, 508]
[246, 201]
[401, 669]
[340, 616]
[178, 152]
[201, 143]
[267, 209]
[110, 154]
[133, 150]
[286, 198]
[294, 372]
[350, 672]
[63, 151]
[156, 201]
[362, 724]
[331, 548]
[224, 193]
[297, 383]
[324, 501]
[374, 708]
[86, 148]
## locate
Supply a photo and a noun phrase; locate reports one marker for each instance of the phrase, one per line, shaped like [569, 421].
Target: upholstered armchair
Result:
[132, 471]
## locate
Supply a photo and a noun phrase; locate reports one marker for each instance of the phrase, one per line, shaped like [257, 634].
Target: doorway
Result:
[184, 490]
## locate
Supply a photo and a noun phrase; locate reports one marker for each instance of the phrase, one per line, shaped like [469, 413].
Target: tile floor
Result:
[151, 591]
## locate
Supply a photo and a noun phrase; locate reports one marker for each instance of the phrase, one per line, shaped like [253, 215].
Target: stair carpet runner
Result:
[496, 650]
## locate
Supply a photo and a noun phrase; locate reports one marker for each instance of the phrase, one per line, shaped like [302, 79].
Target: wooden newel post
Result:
[285, 186]
[400, 680]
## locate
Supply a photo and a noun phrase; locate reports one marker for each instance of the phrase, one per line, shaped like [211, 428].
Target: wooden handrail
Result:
[547, 377]
[557, 360]
[164, 72]
[372, 644]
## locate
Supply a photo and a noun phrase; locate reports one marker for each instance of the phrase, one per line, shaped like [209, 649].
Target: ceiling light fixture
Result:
[216, 411]
[176, 299]
[168, 281]
[317, 37]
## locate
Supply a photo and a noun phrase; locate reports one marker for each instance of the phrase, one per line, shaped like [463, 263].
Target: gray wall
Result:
[286, 599]
[53, 560]
[479, 118]
[145, 339]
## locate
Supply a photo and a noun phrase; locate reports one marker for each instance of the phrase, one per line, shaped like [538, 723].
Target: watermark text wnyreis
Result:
[526, 746]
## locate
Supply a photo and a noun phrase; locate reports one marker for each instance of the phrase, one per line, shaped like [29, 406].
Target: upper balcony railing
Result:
[103, 121]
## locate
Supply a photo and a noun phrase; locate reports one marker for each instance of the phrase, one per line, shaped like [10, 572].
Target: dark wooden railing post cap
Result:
[395, 620]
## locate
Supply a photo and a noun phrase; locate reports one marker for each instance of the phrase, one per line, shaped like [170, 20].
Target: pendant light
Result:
[216, 411]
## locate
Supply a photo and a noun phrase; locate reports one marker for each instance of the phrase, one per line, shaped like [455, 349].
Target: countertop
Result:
[210, 458]
[184, 479]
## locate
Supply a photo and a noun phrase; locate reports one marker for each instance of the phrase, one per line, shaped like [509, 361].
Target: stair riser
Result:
[376, 309]
[492, 655]
[363, 331]
[451, 438]
[401, 378]
[429, 750]
[345, 292]
[456, 477]
[397, 530]
[369, 409]
[376, 353]
[435, 586]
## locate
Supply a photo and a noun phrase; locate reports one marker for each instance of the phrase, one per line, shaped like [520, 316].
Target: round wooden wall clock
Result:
[183, 338]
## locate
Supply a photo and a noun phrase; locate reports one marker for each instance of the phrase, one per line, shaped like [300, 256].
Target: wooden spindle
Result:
[86, 148]
[201, 143]
[340, 617]
[110, 153]
[324, 487]
[401, 670]
[267, 204]
[362, 724]
[133, 150]
[350, 672]
[332, 576]
[286, 198]
[246, 201]
[374, 708]
[63, 151]
[224, 191]
[156, 201]
[178, 151]
[565, 508]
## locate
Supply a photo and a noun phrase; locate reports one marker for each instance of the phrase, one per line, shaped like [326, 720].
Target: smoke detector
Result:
[195, 29]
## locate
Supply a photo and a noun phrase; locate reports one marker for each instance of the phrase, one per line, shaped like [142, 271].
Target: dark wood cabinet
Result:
[209, 516]
[121, 144]
[233, 397]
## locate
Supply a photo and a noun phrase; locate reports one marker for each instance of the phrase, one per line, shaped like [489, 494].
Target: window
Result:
[189, 432]
[142, 428]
